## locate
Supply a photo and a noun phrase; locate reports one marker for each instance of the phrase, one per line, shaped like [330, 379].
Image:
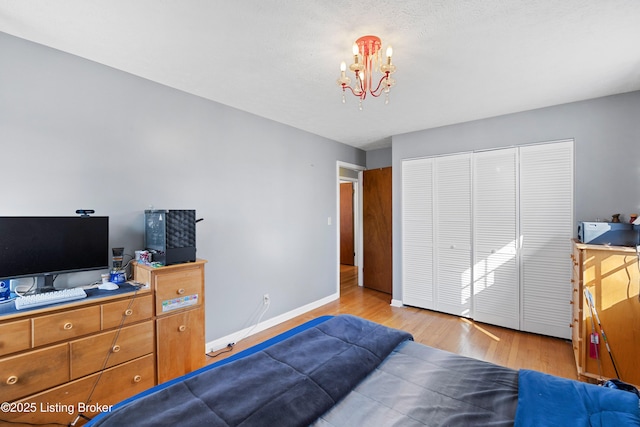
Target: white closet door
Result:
[546, 227]
[496, 285]
[417, 233]
[452, 234]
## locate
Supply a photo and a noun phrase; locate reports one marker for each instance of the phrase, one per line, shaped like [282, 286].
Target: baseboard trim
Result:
[396, 303]
[221, 343]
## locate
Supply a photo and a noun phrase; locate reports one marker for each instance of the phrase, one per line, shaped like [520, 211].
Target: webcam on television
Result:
[85, 212]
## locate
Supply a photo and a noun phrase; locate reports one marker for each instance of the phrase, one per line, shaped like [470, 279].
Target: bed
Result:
[347, 371]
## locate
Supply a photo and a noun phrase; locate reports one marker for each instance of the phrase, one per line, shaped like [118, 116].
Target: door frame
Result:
[357, 217]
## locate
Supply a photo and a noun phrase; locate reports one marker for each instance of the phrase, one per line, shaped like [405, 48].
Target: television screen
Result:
[46, 246]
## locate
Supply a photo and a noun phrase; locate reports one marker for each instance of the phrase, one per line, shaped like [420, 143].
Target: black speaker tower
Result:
[170, 235]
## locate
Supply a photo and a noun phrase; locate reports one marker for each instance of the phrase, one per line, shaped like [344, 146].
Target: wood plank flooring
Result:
[494, 344]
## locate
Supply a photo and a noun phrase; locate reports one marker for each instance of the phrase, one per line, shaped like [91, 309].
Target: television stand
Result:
[44, 284]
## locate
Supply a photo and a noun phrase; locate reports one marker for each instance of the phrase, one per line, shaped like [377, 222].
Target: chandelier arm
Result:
[361, 95]
[344, 87]
[350, 88]
[375, 92]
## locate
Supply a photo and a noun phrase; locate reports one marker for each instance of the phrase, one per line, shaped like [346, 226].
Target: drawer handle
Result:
[182, 328]
[12, 380]
[67, 326]
[128, 312]
[180, 291]
[115, 348]
[137, 379]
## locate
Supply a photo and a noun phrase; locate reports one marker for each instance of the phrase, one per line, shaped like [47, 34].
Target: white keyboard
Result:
[63, 295]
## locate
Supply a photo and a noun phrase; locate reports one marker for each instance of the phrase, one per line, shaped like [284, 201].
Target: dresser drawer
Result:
[113, 385]
[65, 325]
[180, 343]
[31, 372]
[88, 354]
[178, 289]
[15, 336]
[113, 312]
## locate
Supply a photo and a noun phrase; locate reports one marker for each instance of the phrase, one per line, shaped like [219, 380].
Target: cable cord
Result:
[31, 288]
[255, 325]
[230, 346]
[106, 359]
[227, 349]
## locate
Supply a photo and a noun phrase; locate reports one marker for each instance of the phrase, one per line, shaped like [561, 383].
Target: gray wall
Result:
[76, 134]
[380, 158]
[607, 154]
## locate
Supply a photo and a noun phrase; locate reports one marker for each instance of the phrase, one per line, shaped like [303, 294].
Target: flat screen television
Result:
[43, 247]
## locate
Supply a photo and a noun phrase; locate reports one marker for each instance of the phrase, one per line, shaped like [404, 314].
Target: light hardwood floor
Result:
[502, 346]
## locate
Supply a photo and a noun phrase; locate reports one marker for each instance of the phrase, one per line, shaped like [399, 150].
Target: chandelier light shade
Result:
[367, 61]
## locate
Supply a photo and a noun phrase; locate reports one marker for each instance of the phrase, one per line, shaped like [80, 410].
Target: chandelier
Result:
[367, 59]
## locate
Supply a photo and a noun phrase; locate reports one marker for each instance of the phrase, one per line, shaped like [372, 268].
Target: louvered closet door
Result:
[496, 284]
[452, 234]
[417, 233]
[546, 226]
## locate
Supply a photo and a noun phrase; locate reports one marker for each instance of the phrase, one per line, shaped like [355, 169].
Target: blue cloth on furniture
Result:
[546, 400]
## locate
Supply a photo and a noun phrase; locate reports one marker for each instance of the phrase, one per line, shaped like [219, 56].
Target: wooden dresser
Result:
[52, 359]
[611, 275]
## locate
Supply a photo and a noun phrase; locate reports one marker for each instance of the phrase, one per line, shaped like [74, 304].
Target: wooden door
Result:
[377, 243]
[347, 251]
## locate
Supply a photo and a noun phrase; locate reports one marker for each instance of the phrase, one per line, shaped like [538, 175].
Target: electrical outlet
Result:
[265, 299]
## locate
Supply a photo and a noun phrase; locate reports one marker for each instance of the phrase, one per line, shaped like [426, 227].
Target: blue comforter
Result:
[545, 400]
[290, 383]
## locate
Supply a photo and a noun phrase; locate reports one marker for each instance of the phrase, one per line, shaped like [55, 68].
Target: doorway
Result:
[347, 223]
[349, 176]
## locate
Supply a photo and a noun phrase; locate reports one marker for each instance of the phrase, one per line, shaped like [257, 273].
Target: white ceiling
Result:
[458, 60]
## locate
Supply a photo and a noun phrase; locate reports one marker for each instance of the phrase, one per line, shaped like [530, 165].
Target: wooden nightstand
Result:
[178, 292]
